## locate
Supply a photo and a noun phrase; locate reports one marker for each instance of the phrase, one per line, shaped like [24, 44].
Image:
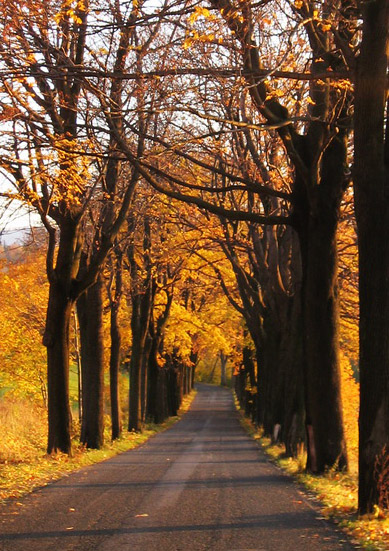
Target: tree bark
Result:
[371, 184]
[139, 325]
[223, 369]
[324, 419]
[90, 312]
[56, 339]
[318, 211]
[114, 290]
[114, 369]
[293, 425]
[145, 376]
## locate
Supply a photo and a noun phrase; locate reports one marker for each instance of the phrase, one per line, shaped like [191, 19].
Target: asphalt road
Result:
[201, 485]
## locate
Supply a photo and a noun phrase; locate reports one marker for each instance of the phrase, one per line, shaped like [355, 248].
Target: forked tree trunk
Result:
[90, 313]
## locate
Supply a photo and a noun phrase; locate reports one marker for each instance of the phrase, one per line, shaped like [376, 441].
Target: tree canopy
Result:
[192, 165]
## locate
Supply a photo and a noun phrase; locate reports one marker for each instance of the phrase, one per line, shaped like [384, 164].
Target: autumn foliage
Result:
[192, 167]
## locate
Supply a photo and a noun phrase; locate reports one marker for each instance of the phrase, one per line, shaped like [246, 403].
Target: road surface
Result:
[201, 485]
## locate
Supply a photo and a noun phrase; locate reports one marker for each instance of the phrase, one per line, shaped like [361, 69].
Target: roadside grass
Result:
[337, 492]
[24, 464]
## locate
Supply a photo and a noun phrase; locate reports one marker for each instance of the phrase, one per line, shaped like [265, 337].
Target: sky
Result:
[15, 221]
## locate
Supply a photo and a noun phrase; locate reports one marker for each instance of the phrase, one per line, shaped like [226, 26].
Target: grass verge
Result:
[19, 477]
[337, 492]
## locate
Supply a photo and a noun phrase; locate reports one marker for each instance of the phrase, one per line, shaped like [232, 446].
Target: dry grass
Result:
[24, 464]
[22, 431]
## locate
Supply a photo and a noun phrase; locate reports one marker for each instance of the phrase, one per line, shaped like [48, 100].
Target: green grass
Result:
[24, 465]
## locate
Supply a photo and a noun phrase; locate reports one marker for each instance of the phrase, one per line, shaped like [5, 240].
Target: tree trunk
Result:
[78, 363]
[140, 319]
[114, 367]
[293, 430]
[137, 361]
[193, 360]
[135, 408]
[371, 183]
[56, 339]
[317, 208]
[153, 379]
[223, 369]
[324, 419]
[145, 377]
[56, 336]
[90, 312]
[161, 398]
[247, 397]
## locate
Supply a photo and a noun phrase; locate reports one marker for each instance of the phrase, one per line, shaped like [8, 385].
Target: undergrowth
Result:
[337, 492]
[24, 464]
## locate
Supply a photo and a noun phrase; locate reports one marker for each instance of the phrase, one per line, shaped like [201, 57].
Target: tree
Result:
[316, 146]
[115, 291]
[59, 163]
[90, 316]
[371, 171]
[142, 295]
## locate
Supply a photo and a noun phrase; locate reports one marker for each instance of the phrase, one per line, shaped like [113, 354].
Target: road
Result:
[201, 485]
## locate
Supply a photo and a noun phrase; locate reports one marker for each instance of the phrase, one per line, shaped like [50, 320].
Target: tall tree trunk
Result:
[114, 367]
[246, 377]
[78, 363]
[371, 181]
[293, 430]
[90, 312]
[145, 377]
[142, 303]
[139, 331]
[140, 320]
[318, 209]
[324, 419]
[56, 336]
[56, 339]
[114, 290]
[153, 377]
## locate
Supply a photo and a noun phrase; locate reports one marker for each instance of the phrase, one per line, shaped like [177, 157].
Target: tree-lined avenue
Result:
[181, 490]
